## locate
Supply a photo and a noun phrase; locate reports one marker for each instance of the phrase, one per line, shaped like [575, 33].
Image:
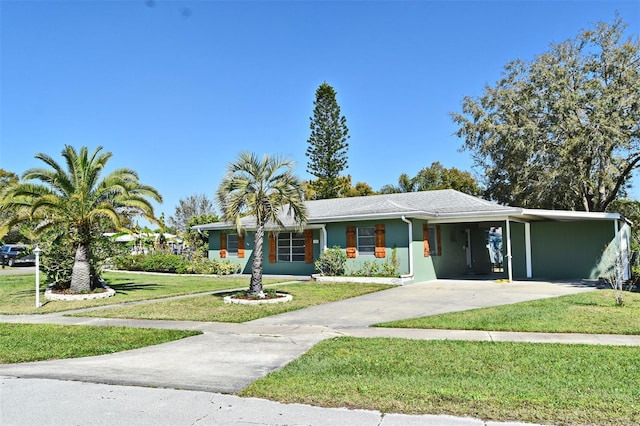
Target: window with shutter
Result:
[425, 240]
[351, 242]
[380, 250]
[240, 246]
[308, 246]
[272, 248]
[223, 245]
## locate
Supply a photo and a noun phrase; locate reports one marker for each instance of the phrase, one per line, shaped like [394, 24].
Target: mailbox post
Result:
[36, 251]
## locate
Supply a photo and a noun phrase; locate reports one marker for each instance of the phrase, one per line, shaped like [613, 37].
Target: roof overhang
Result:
[514, 214]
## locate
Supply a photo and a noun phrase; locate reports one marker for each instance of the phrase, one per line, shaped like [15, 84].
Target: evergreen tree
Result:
[327, 150]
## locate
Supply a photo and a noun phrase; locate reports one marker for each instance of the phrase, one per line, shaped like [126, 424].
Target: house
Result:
[433, 234]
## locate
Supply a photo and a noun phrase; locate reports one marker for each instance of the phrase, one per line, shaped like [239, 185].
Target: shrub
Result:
[332, 262]
[58, 255]
[164, 262]
[388, 268]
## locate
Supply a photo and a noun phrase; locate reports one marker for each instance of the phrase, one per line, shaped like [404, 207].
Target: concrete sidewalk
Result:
[228, 357]
[51, 402]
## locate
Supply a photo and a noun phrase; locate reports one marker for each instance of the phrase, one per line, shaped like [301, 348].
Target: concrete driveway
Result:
[228, 357]
[421, 299]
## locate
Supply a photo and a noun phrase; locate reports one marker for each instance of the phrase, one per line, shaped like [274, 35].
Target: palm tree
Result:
[79, 201]
[262, 188]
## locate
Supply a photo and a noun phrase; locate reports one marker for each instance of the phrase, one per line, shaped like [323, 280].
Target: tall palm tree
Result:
[262, 188]
[78, 200]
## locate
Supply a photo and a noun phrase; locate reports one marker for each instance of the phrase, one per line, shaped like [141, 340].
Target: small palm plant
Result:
[77, 200]
[263, 188]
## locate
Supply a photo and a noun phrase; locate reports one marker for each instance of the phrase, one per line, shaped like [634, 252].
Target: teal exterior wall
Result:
[396, 236]
[423, 266]
[562, 250]
[559, 250]
[278, 268]
[452, 261]
[518, 250]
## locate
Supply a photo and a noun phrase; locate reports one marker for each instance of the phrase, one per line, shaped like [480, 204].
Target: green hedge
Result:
[163, 262]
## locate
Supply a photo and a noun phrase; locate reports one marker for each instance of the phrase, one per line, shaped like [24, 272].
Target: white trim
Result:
[527, 249]
[410, 274]
[509, 263]
[323, 238]
[569, 215]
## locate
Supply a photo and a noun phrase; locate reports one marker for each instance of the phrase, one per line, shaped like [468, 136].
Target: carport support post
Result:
[509, 264]
[36, 251]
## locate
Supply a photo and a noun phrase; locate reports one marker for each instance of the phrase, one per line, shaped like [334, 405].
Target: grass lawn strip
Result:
[540, 383]
[590, 313]
[38, 342]
[17, 292]
[212, 307]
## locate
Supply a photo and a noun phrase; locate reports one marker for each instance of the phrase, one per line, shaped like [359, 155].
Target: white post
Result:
[509, 263]
[527, 248]
[36, 251]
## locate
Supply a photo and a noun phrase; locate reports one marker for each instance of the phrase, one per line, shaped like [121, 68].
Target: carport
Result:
[535, 244]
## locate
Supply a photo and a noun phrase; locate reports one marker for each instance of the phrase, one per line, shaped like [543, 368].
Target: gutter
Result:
[324, 238]
[410, 274]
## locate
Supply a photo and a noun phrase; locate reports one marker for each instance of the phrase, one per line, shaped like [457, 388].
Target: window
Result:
[232, 245]
[366, 240]
[291, 247]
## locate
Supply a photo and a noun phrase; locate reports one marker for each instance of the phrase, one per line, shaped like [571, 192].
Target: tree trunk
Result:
[81, 274]
[255, 286]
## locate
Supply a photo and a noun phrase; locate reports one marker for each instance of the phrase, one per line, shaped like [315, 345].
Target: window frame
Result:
[300, 256]
[231, 244]
[371, 235]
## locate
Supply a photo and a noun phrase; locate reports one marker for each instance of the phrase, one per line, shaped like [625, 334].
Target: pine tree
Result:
[327, 150]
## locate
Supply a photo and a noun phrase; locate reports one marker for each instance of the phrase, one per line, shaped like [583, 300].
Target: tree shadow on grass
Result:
[126, 287]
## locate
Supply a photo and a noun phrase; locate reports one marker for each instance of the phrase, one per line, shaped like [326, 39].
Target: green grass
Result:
[541, 383]
[17, 292]
[592, 312]
[36, 342]
[212, 308]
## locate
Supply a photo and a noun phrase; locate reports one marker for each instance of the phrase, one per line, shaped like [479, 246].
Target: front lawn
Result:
[212, 308]
[37, 342]
[17, 292]
[592, 312]
[540, 383]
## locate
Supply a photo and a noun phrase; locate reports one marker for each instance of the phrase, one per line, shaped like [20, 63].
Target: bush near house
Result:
[333, 263]
[165, 262]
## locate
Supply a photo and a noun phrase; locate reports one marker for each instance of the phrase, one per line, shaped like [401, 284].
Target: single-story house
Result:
[432, 234]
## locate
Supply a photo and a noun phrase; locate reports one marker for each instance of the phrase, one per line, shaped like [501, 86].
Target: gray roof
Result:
[430, 205]
[424, 204]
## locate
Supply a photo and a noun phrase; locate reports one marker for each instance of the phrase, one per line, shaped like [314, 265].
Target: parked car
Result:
[15, 254]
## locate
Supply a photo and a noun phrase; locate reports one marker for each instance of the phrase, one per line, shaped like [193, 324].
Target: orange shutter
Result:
[272, 247]
[308, 246]
[438, 240]
[351, 242]
[381, 251]
[223, 245]
[240, 245]
[425, 240]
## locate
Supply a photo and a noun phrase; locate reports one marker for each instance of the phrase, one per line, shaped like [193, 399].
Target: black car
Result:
[15, 254]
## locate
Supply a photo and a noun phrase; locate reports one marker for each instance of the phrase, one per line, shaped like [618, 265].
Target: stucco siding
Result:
[396, 236]
[568, 249]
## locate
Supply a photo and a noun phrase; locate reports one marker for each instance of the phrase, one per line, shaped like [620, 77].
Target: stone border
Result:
[363, 280]
[49, 295]
[282, 299]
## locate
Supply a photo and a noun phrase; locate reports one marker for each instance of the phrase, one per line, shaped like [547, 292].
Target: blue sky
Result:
[176, 89]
